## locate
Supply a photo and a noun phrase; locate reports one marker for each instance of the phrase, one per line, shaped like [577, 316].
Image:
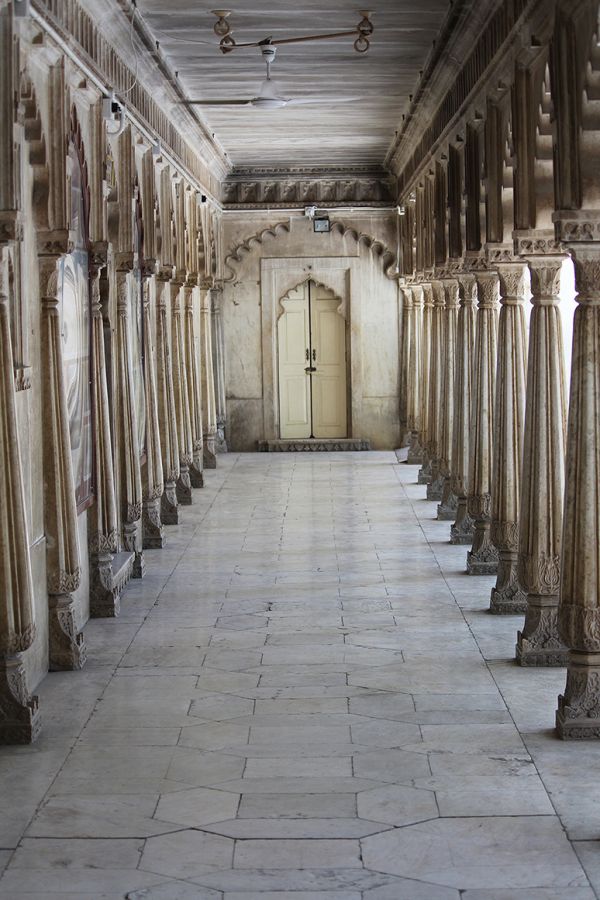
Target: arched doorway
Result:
[311, 334]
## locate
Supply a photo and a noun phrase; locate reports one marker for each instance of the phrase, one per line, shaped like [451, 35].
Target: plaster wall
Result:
[355, 269]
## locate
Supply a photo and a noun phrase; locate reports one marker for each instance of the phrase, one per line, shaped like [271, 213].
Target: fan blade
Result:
[214, 102]
[305, 101]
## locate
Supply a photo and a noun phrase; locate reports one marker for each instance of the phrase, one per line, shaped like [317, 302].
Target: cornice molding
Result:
[295, 189]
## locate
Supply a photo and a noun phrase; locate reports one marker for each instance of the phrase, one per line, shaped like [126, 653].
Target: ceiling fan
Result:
[269, 95]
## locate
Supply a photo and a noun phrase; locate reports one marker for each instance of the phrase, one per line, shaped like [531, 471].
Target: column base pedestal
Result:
[66, 644]
[196, 473]
[539, 643]
[578, 714]
[415, 451]
[220, 440]
[510, 601]
[424, 476]
[435, 488]
[169, 509]
[508, 597]
[139, 565]
[464, 528]
[210, 459]
[153, 537]
[107, 583]
[483, 558]
[447, 509]
[21, 721]
[184, 486]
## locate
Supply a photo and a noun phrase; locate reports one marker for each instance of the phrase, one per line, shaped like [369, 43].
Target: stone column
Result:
[541, 519]
[509, 425]
[105, 597]
[166, 409]
[219, 369]
[413, 387]
[182, 398]
[461, 532]
[436, 372]
[195, 390]
[449, 504]
[20, 721]
[152, 470]
[424, 476]
[63, 570]
[578, 714]
[127, 450]
[482, 559]
[405, 318]
[209, 422]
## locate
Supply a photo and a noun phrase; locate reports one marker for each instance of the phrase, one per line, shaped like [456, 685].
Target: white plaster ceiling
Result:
[351, 134]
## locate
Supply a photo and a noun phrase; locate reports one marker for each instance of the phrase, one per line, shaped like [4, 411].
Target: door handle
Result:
[314, 355]
[310, 369]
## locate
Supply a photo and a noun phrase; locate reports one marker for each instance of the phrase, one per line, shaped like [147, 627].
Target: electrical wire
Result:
[135, 52]
[169, 37]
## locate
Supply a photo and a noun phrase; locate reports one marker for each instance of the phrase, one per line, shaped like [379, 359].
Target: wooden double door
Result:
[312, 364]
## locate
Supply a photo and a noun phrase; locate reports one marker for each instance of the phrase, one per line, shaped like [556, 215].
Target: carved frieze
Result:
[255, 189]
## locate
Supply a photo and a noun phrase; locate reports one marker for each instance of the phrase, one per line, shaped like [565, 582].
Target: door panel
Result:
[294, 384]
[312, 404]
[329, 381]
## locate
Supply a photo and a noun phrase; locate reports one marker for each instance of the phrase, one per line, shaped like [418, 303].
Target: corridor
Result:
[305, 697]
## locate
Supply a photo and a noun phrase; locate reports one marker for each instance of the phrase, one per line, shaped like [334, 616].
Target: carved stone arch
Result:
[112, 194]
[248, 244]
[138, 218]
[376, 247]
[164, 217]
[30, 118]
[145, 187]
[157, 227]
[508, 175]
[75, 136]
[342, 302]
[543, 162]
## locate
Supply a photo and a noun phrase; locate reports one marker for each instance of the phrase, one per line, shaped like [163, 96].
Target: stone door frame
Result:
[277, 277]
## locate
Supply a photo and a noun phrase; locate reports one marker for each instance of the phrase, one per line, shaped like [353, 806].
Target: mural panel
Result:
[74, 311]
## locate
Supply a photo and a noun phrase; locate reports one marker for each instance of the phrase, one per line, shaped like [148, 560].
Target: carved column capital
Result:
[511, 276]
[427, 289]
[417, 296]
[586, 259]
[488, 294]
[439, 294]
[545, 279]
[467, 289]
[407, 297]
[451, 288]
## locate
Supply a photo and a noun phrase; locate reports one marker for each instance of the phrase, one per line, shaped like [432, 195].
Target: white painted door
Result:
[312, 365]
[293, 331]
[328, 346]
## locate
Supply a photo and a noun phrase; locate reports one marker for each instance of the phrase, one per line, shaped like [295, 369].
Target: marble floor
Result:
[305, 697]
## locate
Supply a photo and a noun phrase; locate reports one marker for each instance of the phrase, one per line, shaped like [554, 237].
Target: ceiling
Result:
[356, 133]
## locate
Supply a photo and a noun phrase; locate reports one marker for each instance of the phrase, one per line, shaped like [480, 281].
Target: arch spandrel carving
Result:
[376, 247]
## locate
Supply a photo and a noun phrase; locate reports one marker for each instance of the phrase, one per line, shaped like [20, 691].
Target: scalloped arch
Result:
[377, 247]
[317, 283]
